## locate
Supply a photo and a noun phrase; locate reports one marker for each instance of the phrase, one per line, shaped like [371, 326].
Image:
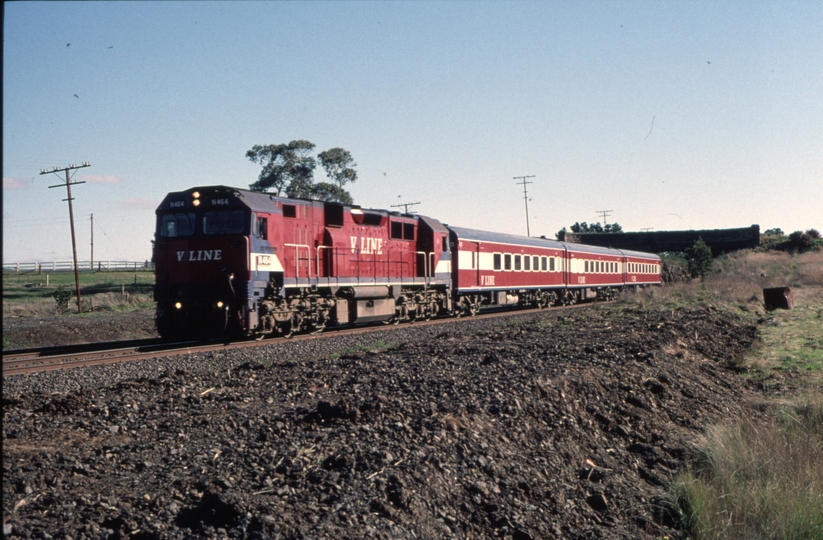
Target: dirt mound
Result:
[536, 426]
[70, 329]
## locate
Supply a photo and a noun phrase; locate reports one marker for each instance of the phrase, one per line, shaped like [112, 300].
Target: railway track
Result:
[27, 361]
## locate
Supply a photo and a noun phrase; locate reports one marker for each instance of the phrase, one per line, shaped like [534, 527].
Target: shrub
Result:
[800, 240]
[699, 259]
[814, 234]
[62, 295]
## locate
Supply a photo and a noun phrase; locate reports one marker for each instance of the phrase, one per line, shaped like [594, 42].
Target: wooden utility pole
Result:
[68, 185]
[91, 263]
[525, 198]
[605, 213]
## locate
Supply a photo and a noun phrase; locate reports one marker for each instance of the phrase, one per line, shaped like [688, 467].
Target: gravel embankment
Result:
[536, 426]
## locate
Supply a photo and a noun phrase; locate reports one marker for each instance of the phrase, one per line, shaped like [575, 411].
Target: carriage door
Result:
[475, 262]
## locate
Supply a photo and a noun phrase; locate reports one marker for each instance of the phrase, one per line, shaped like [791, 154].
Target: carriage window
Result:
[551, 263]
[223, 222]
[174, 225]
[527, 263]
[507, 259]
[586, 266]
[497, 261]
[536, 263]
[517, 262]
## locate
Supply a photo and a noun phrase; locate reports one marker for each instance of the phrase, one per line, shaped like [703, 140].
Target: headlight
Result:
[219, 304]
[178, 305]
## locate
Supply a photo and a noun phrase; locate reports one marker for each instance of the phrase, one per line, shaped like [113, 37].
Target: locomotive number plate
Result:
[264, 260]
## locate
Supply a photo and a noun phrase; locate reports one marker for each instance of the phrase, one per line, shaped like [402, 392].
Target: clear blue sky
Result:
[672, 115]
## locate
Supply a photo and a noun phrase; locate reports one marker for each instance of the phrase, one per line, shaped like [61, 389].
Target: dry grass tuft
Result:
[756, 479]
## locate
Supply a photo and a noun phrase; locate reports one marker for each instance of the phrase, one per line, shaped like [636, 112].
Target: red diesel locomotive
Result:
[243, 262]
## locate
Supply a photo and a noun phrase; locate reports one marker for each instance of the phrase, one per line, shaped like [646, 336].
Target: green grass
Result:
[790, 345]
[31, 293]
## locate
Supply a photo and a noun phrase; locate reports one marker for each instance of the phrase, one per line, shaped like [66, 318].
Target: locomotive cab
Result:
[201, 257]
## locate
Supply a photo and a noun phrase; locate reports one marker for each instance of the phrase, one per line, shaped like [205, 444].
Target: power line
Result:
[525, 198]
[99, 228]
[69, 198]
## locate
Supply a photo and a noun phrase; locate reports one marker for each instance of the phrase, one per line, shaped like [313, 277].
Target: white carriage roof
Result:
[513, 239]
[502, 238]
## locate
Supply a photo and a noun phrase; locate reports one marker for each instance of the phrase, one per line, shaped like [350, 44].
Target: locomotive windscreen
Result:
[174, 225]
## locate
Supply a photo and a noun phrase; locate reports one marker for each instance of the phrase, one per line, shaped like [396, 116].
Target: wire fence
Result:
[82, 266]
